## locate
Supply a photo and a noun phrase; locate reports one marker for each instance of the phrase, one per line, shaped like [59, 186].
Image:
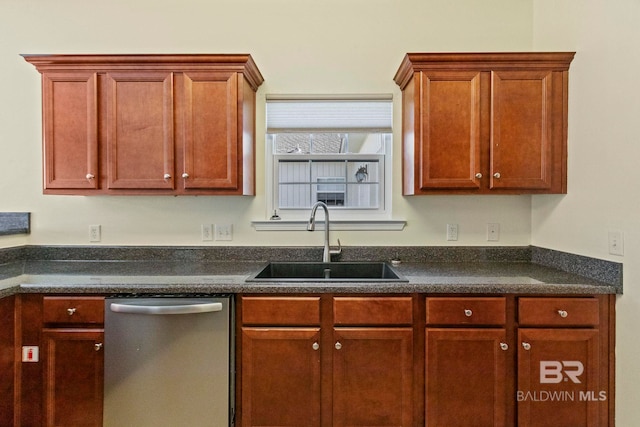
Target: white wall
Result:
[604, 129]
[301, 46]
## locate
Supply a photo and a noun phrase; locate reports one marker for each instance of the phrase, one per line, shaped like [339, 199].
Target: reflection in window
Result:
[318, 167]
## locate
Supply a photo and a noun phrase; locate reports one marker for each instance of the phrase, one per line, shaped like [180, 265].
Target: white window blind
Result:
[340, 114]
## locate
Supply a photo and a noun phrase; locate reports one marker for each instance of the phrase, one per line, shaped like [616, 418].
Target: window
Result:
[336, 150]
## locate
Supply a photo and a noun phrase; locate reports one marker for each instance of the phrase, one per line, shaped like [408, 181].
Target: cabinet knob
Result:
[315, 346]
[338, 345]
[90, 176]
[97, 346]
[71, 311]
[185, 175]
[167, 176]
[526, 346]
[468, 312]
[504, 346]
[563, 313]
[496, 175]
[478, 175]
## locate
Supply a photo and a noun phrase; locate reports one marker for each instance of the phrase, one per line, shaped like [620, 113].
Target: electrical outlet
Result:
[94, 233]
[493, 232]
[452, 231]
[207, 232]
[223, 232]
[616, 243]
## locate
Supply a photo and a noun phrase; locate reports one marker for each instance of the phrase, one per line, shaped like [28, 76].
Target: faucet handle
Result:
[336, 251]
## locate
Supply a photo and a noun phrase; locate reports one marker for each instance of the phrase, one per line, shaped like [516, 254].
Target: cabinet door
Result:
[373, 377]
[558, 378]
[140, 139]
[211, 134]
[70, 121]
[450, 135]
[522, 138]
[466, 377]
[280, 377]
[73, 377]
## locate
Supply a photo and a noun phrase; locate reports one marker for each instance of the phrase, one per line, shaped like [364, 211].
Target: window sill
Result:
[352, 225]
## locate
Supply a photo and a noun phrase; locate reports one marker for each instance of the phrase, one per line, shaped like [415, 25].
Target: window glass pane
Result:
[363, 196]
[328, 143]
[294, 171]
[349, 184]
[291, 196]
[328, 169]
[291, 143]
[330, 190]
[363, 171]
[366, 143]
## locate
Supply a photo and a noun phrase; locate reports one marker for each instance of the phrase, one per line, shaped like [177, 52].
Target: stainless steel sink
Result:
[327, 272]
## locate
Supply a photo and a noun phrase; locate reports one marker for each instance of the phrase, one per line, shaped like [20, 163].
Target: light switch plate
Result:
[223, 232]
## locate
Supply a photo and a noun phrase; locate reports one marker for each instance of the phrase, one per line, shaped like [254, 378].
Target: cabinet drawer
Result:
[75, 310]
[373, 311]
[466, 311]
[558, 311]
[280, 310]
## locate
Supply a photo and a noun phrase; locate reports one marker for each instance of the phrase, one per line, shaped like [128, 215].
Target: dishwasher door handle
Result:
[167, 309]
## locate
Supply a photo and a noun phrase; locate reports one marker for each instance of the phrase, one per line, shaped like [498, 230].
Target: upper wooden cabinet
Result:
[484, 123]
[148, 124]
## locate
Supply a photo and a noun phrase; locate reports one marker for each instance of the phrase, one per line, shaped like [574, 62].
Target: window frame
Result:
[341, 219]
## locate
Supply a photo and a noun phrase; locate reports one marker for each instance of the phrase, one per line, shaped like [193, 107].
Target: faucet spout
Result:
[327, 252]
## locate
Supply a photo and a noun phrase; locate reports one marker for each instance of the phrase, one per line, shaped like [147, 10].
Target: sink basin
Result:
[327, 272]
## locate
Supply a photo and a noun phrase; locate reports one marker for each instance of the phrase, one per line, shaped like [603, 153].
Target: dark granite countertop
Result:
[445, 270]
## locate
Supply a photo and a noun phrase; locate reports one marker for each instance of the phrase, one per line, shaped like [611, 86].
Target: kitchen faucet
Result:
[326, 254]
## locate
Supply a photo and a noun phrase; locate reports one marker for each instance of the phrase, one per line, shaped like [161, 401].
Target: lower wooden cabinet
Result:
[344, 360]
[466, 379]
[73, 376]
[346, 371]
[447, 361]
[73, 360]
[372, 376]
[64, 385]
[558, 378]
[564, 360]
[467, 362]
[280, 376]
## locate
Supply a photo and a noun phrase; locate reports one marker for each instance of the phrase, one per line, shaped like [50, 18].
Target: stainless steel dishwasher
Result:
[168, 362]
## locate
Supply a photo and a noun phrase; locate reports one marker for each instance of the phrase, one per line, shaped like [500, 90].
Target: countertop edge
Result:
[176, 287]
